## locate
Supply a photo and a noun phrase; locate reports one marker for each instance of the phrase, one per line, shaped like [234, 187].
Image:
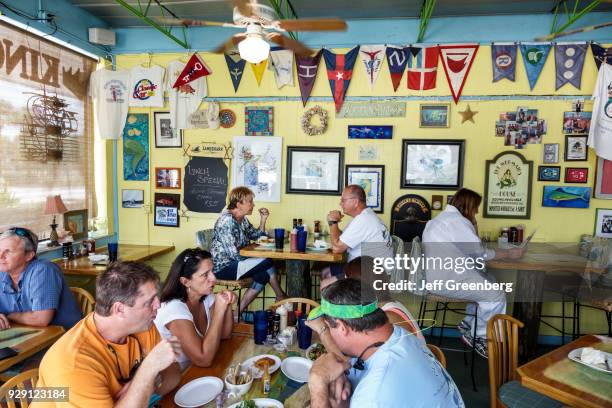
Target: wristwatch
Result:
[158, 381]
[330, 223]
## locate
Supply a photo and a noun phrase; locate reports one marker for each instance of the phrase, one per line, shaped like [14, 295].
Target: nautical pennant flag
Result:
[340, 72]
[258, 70]
[569, 61]
[601, 54]
[194, 69]
[397, 58]
[504, 61]
[534, 57]
[235, 66]
[372, 59]
[457, 61]
[281, 62]
[422, 67]
[307, 68]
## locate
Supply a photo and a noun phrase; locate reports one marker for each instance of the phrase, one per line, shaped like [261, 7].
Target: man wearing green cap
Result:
[387, 363]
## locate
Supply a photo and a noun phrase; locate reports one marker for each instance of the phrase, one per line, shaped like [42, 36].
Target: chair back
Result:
[303, 304]
[23, 381]
[397, 274]
[204, 239]
[84, 299]
[417, 275]
[502, 342]
[438, 353]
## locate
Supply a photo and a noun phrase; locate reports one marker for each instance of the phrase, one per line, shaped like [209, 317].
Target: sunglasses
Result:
[22, 232]
[193, 254]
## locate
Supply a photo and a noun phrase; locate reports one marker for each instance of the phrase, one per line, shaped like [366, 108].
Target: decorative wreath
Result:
[309, 128]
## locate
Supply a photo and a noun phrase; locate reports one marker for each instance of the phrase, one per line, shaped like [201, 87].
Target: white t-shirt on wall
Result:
[600, 133]
[178, 310]
[367, 228]
[186, 99]
[109, 90]
[147, 86]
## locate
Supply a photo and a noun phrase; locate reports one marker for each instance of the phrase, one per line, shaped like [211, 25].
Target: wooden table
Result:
[27, 340]
[567, 381]
[298, 266]
[127, 252]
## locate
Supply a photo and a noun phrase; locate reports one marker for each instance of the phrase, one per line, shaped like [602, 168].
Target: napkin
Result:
[592, 356]
[98, 258]
[319, 243]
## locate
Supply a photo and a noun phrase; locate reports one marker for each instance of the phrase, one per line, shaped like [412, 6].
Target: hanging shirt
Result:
[109, 90]
[185, 99]
[146, 86]
[600, 134]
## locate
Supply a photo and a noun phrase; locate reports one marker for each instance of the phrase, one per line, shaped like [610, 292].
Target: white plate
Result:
[198, 392]
[257, 373]
[296, 368]
[266, 245]
[262, 403]
[315, 249]
[575, 354]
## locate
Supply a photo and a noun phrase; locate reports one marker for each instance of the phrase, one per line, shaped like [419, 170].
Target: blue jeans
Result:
[260, 273]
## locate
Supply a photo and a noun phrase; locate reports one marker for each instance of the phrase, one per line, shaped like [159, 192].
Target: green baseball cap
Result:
[342, 311]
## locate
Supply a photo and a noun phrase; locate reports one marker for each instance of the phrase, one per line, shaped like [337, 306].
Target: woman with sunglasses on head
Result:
[191, 311]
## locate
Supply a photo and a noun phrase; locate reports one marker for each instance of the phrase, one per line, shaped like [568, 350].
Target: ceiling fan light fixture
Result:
[254, 48]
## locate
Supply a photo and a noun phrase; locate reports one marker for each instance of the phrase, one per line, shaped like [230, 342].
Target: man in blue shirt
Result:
[33, 292]
[389, 366]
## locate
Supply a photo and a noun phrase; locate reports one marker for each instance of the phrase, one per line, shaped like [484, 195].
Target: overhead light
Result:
[253, 48]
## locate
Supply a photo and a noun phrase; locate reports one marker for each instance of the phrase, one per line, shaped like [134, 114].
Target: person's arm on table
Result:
[4, 322]
[333, 218]
[228, 320]
[170, 378]
[40, 318]
[324, 372]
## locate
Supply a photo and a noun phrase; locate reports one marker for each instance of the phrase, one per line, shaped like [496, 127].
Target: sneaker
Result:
[463, 327]
[480, 345]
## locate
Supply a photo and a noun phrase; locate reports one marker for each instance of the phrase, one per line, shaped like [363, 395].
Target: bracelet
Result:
[330, 223]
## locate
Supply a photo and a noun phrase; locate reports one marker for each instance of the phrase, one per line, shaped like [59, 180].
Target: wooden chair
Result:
[438, 353]
[84, 299]
[305, 305]
[24, 381]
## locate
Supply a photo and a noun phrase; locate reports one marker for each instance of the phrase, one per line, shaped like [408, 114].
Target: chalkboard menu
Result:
[206, 182]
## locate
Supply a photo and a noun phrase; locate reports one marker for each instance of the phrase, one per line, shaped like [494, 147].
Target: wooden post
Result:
[298, 278]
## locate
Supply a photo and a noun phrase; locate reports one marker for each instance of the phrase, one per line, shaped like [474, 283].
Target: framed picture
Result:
[314, 170]
[436, 202]
[372, 179]
[257, 165]
[434, 116]
[167, 210]
[258, 121]
[168, 177]
[165, 135]
[432, 164]
[75, 222]
[549, 173]
[576, 123]
[132, 198]
[551, 153]
[566, 197]
[136, 147]
[370, 132]
[603, 179]
[576, 148]
[603, 223]
[508, 178]
[576, 174]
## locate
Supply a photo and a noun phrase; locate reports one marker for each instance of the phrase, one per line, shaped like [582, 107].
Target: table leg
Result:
[298, 278]
[529, 289]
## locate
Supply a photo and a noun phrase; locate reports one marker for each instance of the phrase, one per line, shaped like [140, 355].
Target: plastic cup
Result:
[304, 334]
[279, 238]
[113, 249]
[260, 326]
[302, 236]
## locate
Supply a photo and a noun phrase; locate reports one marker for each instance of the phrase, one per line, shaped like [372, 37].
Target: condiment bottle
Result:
[293, 241]
[300, 221]
[294, 223]
[276, 326]
[265, 380]
[317, 229]
[282, 311]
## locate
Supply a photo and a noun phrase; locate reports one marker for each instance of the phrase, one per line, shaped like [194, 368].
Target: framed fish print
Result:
[576, 174]
[549, 173]
[372, 179]
[370, 132]
[566, 197]
[508, 178]
[432, 164]
[576, 148]
[314, 170]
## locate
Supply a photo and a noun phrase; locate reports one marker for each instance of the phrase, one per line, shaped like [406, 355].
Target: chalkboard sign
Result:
[205, 184]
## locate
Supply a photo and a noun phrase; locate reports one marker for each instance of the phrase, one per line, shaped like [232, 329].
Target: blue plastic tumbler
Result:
[113, 249]
[304, 334]
[279, 238]
[301, 240]
[260, 326]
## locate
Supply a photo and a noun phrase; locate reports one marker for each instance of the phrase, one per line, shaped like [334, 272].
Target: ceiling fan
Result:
[261, 24]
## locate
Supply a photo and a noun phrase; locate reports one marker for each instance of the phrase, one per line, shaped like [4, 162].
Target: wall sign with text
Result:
[508, 186]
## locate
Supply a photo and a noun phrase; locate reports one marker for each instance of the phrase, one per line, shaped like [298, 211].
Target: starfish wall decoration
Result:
[468, 114]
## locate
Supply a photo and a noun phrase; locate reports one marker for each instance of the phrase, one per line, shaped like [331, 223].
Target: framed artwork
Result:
[551, 153]
[549, 173]
[168, 177]
[434, 116]
[165, 135]
[576, 148]
[576, 174]
[603, 223]
[136, 147]
[603, 179]
[132, 198]
[368, 152]
[257, 165]
[436, 202]
[75, 222]
[566, 197]
[576, 123]
[372, 179]
[227, 118]
[508, 178]
[167, 210]
[258, 121]
[370, 132]
[432, 164]
[314, 170]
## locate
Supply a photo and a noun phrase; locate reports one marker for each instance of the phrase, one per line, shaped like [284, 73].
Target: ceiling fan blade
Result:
[297, 47]
[188, 22]
[230, 43]
[313, 24]
[244, 7]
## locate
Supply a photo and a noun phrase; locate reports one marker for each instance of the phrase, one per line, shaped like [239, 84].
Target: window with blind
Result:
[46, 138]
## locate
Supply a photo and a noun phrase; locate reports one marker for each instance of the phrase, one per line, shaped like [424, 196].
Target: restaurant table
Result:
[27, 340]
[298, 265]
[540, 259]
[567, 381]
[237, 349]
[82, 266]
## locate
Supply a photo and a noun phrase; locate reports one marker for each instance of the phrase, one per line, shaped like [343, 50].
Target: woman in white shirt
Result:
[191, 312]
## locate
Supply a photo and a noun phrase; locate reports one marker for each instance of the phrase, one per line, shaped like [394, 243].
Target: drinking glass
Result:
[279, 238]
[302, 236]
[113, 249]
[304, 334]
[260, 326]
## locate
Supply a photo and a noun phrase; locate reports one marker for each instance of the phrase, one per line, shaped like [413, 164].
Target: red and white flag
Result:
[457, 61]
[194, 69]
[422, 67]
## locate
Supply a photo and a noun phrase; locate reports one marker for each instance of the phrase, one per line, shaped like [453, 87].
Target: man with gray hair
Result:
[34, 292]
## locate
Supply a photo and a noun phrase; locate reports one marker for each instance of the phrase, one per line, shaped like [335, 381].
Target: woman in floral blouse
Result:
[232, 232]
